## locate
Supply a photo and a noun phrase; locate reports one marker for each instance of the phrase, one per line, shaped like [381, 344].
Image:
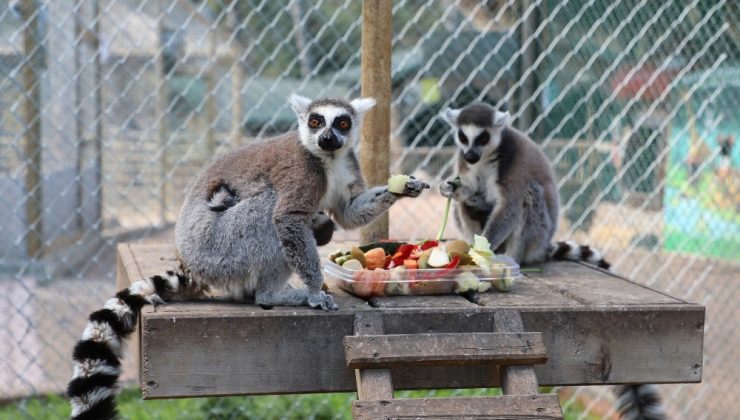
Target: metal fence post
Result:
[31, 104]
[376, 82]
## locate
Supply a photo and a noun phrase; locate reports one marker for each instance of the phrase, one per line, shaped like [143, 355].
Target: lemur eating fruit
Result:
[252, 217]
[506, 191]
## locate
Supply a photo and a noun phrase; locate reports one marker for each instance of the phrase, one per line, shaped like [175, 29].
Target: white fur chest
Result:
[484, 177]
[339, 175]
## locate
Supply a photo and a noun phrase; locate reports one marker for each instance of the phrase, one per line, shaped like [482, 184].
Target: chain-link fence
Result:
[108, 107]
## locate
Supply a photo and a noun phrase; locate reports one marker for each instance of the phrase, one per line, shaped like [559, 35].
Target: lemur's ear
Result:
[501, 118]
[299, 103]
[450, 115]
[362, 105]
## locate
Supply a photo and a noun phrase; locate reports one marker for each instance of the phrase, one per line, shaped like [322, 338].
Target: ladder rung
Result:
[503, 407]
[510, 348]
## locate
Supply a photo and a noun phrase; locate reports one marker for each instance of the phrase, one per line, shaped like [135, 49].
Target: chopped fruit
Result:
[353, 265]
[465, 259]
[439, 257]
[358, 255]
[398, 283]
[333, 257]
[404, 252]
[341, 260]
[502, 285]
[388, 246]
[397, 183]
[458, 247]
[466, 282]
[483, 286]
[388, 268]
[378, 278]
[424, 258]
[388, 261]
[481, 245]
[411, 264]
[453, 264]
[375, 258]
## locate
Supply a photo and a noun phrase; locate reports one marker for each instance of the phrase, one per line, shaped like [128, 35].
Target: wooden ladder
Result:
[372, 353]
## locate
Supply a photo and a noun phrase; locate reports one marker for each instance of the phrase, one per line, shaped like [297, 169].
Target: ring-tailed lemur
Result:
[507, 193]
[507, 188]
[252, 217]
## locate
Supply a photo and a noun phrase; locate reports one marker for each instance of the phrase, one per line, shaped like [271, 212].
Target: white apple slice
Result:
[439, 257]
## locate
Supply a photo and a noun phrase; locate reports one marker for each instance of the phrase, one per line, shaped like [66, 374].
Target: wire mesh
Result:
[108, 107]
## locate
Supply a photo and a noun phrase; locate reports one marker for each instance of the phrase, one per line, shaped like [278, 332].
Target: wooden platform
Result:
[597, 328]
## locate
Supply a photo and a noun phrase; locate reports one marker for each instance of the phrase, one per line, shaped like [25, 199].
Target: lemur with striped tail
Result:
[507, 193]
[252, 217]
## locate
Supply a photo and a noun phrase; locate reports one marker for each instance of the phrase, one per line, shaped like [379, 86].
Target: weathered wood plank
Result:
[253, 352]
[515, 380]
[432, 301]
[527, 292]
[444, 349]
[209, 348]
[154, 258]
[503, 407]
[226, 349]
[640, 345]
[592, 287]
[127, 270]
[126, 266]
[372, 384]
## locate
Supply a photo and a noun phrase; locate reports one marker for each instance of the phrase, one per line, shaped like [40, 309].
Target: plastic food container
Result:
[404, 282]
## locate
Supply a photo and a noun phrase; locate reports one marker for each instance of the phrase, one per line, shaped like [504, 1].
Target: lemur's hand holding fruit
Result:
[406, 185]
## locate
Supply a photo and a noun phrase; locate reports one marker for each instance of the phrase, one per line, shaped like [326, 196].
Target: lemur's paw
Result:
[155, 300]
[414, 187]
[322, 300]
[449, 188]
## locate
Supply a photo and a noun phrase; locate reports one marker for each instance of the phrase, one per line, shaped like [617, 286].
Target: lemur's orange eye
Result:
[344, 125]
[314, 122]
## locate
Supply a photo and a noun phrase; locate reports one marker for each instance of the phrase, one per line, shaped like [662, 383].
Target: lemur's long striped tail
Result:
[639, 402]
[569, 250]
[99, 352]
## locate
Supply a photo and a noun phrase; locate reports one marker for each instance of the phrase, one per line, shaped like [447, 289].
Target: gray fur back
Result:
[227, 249]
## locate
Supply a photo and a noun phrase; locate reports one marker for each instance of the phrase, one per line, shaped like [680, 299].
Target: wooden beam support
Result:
[377, 35]
[515, 380]
[444, 349]
[503, 407]
[372, 384]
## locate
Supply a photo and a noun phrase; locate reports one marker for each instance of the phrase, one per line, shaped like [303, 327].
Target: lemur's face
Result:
[477, 130]
[327, 126]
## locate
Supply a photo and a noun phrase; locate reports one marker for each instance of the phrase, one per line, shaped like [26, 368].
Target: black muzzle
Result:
[329, 141]
[471, 156]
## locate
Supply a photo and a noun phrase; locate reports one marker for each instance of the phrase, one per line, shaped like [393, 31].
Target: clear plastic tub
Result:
[404, 282]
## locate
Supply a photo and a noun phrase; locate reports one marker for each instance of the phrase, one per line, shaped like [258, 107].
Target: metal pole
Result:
[161, 115]
[31, 104]
[99, 193]
[529, 84]
[210, 116]
[376, 82]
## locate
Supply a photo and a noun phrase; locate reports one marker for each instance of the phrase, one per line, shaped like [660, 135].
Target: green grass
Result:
[313, 406]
